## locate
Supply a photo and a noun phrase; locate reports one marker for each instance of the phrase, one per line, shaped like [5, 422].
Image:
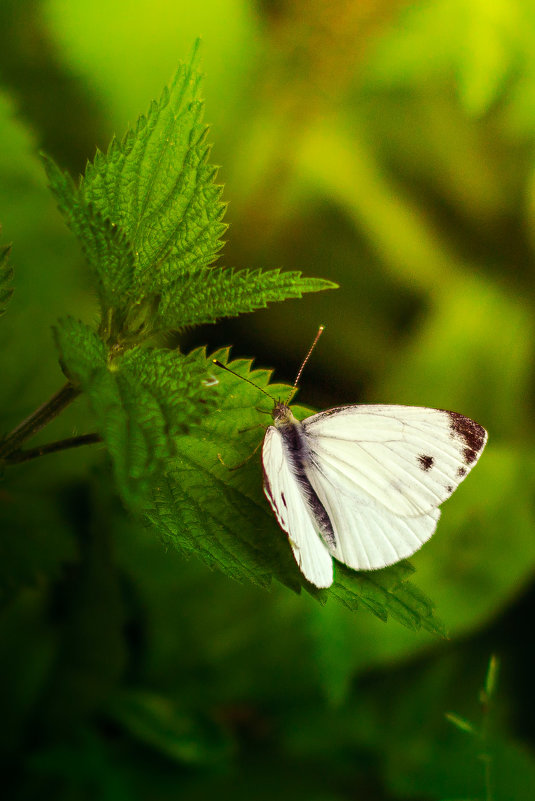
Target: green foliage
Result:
[142, 399]
[158, 186]
[6, 276]
[148, 217]
[203, 296]
[148, 213]
[500, 768]
[387, 593]
[378, 150]
[105, 246]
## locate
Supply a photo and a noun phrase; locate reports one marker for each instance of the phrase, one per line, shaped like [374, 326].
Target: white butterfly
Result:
[363, 483]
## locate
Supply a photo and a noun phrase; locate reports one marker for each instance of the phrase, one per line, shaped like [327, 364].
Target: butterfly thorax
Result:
[283, 416]
[292, 433]
[299, 457]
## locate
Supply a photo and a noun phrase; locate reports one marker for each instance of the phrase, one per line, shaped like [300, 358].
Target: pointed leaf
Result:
[82, 352]
[386, 593]
[105, 246]
[207, 295]
[157, 185]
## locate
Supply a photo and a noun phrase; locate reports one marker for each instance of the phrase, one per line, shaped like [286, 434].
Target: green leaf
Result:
[206, 295]
[148, 216]
[82, 352]
[202, 507]
[386, 593]
[220, 515]
[157, 186]
[142, 399]
[6, 276]
[105, 246]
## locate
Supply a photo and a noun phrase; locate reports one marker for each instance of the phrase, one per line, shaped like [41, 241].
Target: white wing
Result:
[381, 472]
[289, 504]
[367, 536]
[407, 458]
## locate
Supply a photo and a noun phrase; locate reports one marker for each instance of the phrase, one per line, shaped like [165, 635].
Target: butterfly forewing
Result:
[405, 459]
[293, 513]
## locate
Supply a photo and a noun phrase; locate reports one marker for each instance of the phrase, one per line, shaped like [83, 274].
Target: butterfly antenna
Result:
[305, 360]
[242, 377]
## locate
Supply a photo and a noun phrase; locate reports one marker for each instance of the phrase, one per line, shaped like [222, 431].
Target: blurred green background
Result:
[388, 146]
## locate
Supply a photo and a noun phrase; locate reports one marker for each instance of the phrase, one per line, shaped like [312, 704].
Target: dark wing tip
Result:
[470, 433]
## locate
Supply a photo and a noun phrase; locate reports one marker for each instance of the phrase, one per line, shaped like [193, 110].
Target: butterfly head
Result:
[282, 415]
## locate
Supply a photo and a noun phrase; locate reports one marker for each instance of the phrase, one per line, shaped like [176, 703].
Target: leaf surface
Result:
[142, 399]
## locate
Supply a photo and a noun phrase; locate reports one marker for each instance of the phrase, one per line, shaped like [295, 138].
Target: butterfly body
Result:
[363, 483]
[299, 458]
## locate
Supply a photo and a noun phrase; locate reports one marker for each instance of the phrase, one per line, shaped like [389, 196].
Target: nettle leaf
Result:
[148, 215]
[82, 352]
[6, 277]
[386, 593]
[105, 246]
[142, 400]
[207, 295]
[204, 508]
[157, 185]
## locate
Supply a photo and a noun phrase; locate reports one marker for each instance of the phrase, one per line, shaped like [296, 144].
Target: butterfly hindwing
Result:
[367, 535]
[288, 501]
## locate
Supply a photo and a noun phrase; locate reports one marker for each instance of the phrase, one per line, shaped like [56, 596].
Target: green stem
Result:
[38, 419]
[16, 457]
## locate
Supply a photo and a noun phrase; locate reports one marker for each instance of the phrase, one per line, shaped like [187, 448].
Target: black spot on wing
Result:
[471, 433]
[426, 462]
[461, 472]
[283, 499]
[449, 489]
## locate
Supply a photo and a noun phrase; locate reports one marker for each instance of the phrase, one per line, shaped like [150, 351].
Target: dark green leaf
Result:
[82, 352]
[142, 399]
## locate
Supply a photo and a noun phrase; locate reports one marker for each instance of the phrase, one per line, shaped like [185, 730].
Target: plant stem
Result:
[38, 419]
[16, 457]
